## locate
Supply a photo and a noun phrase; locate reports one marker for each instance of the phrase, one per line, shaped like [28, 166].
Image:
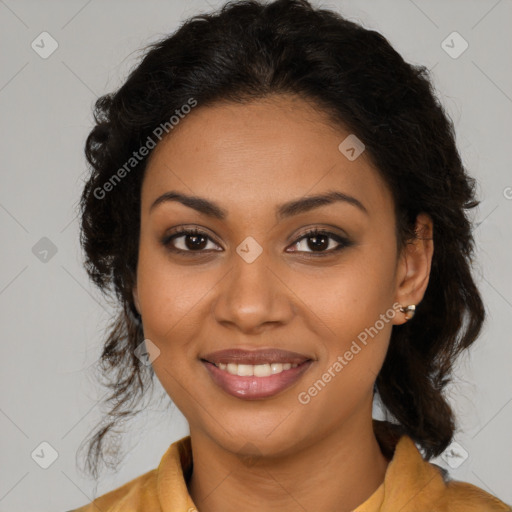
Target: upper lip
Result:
[261, 356]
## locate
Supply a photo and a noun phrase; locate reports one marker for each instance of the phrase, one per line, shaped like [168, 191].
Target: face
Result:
[250, 277]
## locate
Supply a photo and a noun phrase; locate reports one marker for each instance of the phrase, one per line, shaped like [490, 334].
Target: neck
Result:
[337, 472]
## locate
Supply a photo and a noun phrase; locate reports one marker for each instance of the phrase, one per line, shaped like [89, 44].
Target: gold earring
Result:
[409, 311]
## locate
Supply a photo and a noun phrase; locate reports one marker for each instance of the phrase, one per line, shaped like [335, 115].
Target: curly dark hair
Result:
[247, 50]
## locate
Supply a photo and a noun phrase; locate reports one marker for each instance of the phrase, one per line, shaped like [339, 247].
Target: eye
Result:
[192, 240]
[320, 242]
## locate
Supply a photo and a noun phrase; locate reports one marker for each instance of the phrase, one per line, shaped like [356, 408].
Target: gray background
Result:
[51, 316]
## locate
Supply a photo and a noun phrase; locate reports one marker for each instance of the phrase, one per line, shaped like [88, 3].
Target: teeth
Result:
[257, 370]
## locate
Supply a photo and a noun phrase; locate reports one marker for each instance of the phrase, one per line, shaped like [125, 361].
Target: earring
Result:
[409, 311]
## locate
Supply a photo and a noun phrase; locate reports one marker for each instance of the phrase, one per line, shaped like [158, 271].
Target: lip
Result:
[260, 356]
[250, 387]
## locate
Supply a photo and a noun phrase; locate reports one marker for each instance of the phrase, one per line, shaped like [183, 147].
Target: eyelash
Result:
[343, 242]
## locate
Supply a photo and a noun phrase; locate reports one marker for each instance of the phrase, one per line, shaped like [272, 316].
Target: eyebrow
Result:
[284, 210]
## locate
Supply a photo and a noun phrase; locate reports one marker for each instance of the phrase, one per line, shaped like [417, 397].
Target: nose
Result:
[252, 297]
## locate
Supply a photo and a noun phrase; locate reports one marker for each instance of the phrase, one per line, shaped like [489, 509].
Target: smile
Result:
[256, 370]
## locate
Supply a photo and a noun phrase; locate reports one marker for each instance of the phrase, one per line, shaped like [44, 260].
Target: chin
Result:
[259, 434]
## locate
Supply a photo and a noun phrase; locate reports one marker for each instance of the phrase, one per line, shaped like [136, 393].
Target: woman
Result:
[277, 201]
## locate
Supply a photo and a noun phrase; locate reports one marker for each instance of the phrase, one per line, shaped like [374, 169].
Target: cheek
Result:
[371, 279]
[167, 293]
[350, 296]
[352, 305]
[346, 376]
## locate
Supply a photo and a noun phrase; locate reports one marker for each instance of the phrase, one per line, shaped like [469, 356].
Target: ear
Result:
[414, 265]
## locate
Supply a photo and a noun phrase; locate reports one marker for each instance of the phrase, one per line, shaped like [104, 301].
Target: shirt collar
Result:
[407, 476]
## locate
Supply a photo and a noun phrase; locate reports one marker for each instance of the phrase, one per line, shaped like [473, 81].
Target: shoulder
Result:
[463, 496]
[470, 498]
[414, 484]
[137, 493]
[148, 492]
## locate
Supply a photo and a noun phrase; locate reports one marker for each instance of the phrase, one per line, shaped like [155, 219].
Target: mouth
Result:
[255, 374]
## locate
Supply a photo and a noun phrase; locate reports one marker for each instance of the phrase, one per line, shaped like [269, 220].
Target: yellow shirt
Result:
[410, 484]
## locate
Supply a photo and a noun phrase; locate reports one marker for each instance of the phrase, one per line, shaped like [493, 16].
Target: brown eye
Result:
[190, 240]
[319, 243]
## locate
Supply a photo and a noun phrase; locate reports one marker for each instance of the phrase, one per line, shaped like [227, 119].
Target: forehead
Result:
[265, 151]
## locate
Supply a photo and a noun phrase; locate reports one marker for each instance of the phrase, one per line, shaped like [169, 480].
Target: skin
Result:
[274, 453]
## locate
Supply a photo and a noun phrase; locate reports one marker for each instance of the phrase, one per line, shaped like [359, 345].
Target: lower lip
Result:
[253, 388]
